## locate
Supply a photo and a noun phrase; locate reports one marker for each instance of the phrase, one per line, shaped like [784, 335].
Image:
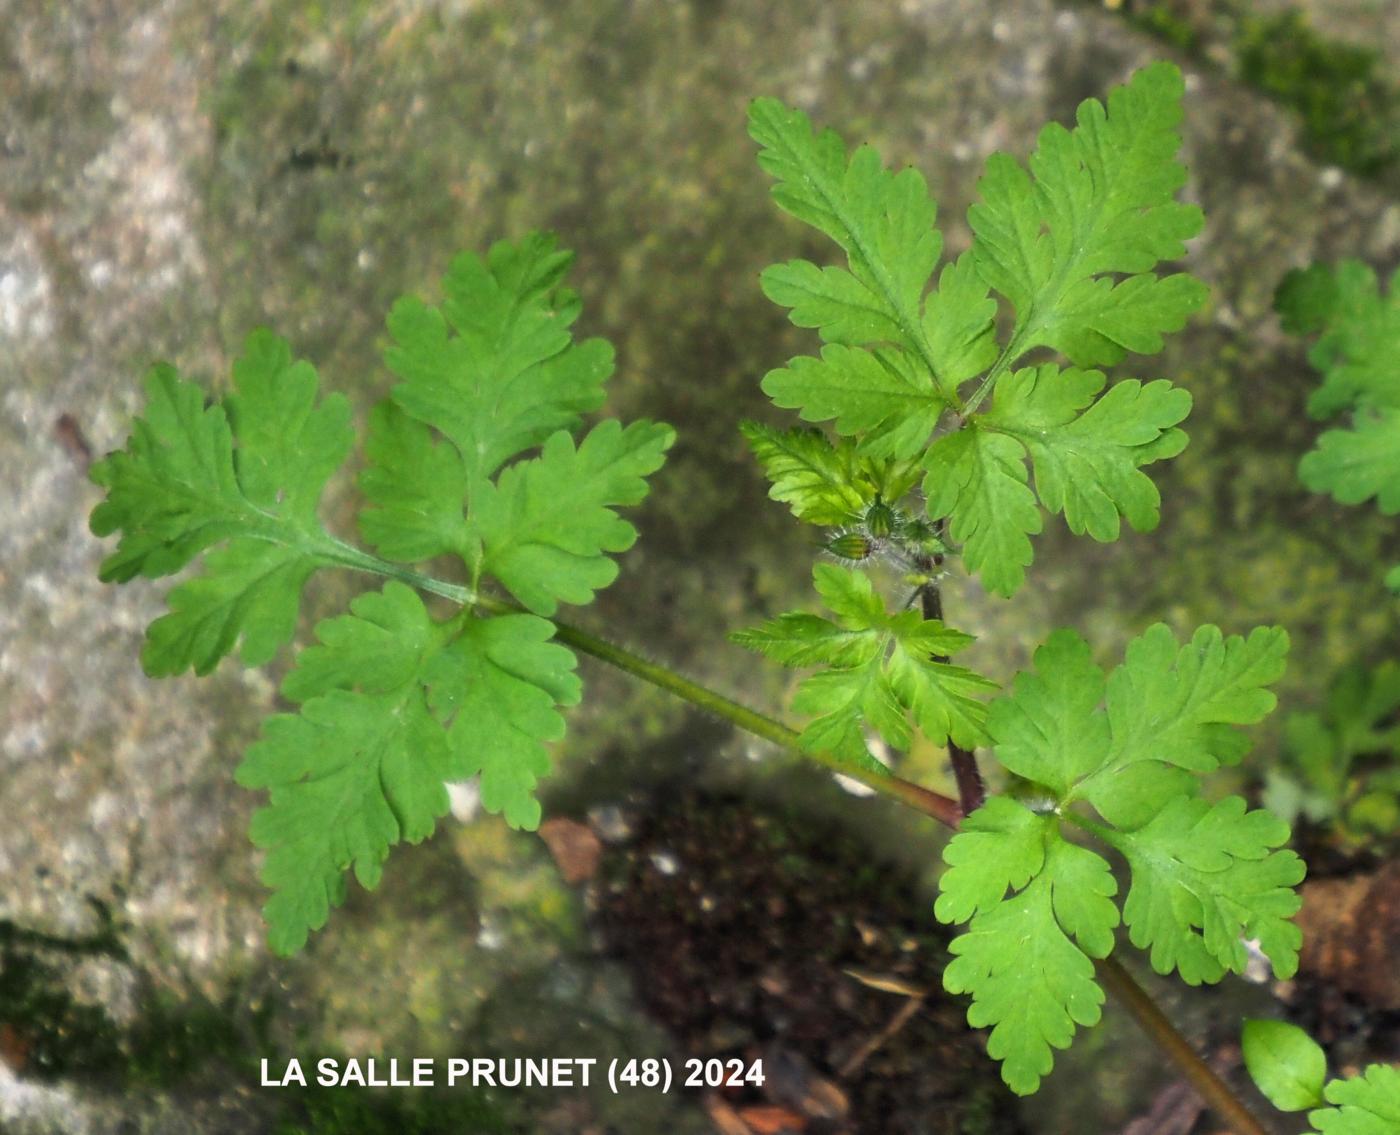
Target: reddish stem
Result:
[971, 791]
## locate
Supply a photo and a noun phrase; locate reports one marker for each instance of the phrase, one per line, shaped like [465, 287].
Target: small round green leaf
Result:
[1287, 1065]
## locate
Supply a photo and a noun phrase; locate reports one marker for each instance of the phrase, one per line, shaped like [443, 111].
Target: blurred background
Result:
[173, 174]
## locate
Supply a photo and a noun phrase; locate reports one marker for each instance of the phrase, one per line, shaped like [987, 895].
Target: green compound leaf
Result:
[1026, 958]
[350, 776]
[1286, 1064]
[359, 769]
[394, 705]
[1359, 330]
[838, 304]
[943, 700]
[797, 639]
[1173, 707]
[1361, 708]
[1320, 749]
[1205, 877]
[1356, 353]
[882, 671]
[508, 380]
[842, 703]
[978, 478]
[960, 323]
[1075, 246]
[1049, 728]
[245, 474]
[511, 375]
[547, 524]
[920, 347]
[819, 481]
[1132, 744]
[1368, 1104]
[1098, 203]
[822, 482]
[1087, 455]
[1360, 463]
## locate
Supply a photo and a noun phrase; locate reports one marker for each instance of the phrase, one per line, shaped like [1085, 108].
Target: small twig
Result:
[104, 942]
[69, 435]
[906, 1013]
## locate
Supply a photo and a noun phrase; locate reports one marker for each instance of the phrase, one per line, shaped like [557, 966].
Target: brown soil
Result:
[752, 936]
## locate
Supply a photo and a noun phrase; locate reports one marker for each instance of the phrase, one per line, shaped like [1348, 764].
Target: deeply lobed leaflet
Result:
[476, 454]
[919, 387]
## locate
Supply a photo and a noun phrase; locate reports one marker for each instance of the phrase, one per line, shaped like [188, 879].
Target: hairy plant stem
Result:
[944, 809]
[971, 791]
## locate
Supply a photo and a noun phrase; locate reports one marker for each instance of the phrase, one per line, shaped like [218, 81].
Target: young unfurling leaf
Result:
[824, 482]
[882, 671]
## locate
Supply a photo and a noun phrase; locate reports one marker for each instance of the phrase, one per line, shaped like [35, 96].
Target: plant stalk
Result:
[971, 791]
[1150, 1018]
[942, 808]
